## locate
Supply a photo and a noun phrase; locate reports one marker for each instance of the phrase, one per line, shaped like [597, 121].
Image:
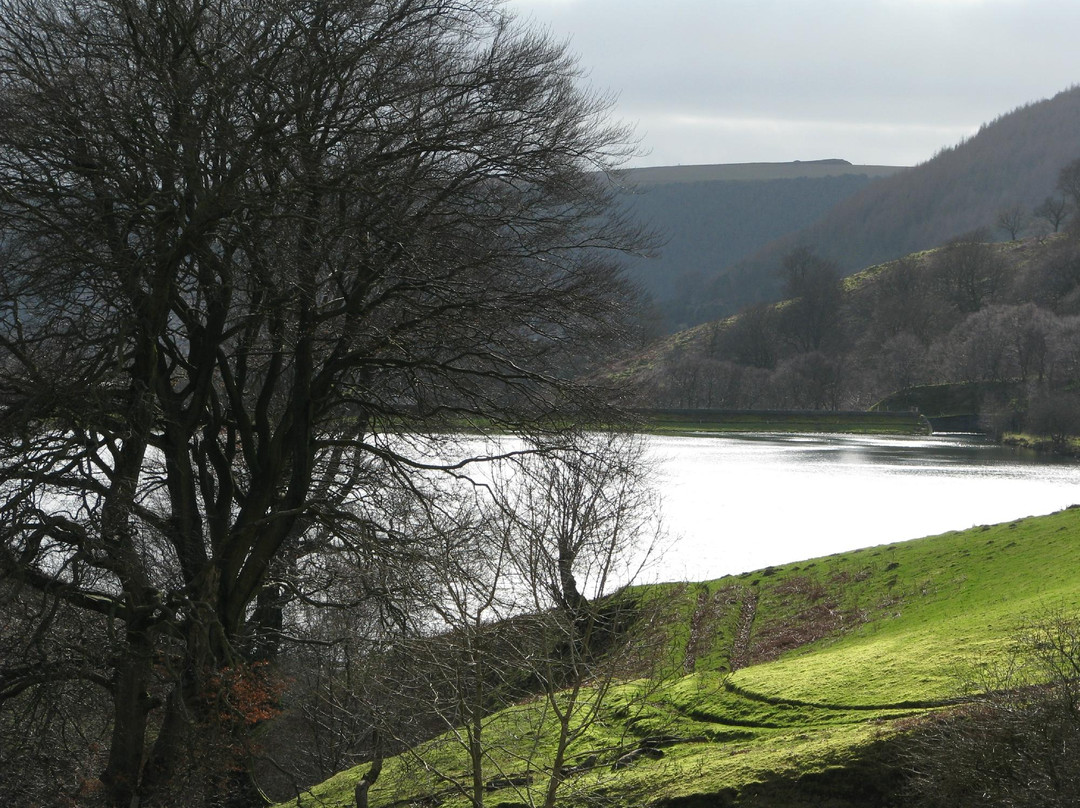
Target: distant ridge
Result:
[712, 216]
[1013, 160]
[729, 172]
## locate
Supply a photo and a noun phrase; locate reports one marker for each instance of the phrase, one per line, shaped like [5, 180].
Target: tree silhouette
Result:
[1069, 181]
[1054, 210]
[243, 244]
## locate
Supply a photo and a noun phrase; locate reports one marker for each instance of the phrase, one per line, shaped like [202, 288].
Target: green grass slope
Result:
[783, 686]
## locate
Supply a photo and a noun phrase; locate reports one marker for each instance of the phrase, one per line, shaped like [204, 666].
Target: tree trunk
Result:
[131, 706]
[160, 769]
[370, 776]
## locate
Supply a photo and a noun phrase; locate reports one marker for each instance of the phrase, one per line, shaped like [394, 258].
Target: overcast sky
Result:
[871, 81]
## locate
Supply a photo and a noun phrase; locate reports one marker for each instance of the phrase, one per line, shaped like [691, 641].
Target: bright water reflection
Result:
[743, 502]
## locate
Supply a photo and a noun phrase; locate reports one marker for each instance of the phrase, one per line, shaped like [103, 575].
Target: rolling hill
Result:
[789, 686]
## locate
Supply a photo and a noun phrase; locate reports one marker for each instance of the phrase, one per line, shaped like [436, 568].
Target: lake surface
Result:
[743, 502]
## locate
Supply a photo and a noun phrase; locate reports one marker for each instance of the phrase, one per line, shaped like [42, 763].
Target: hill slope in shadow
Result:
[710, 217]
[1013, 160]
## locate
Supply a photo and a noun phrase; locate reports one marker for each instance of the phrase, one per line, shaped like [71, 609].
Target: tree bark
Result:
[370, 776]
[123, 772]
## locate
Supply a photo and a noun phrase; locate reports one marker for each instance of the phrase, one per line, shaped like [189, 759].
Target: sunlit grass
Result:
[842, 651]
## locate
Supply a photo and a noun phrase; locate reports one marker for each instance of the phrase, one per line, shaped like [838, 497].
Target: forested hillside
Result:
[999, 322]
[710, 217]
[1011, 163]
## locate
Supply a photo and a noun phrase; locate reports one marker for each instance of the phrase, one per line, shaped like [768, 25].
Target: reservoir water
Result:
[736, 503]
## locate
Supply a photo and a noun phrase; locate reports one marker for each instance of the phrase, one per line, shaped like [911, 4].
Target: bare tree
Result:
[982, 347]
[900, 362]
[471, 655]
[524, 608]
[242, 244]
[345, 649]
[969, 271]
[1054, 210]
[48, 734]
[1056, 414]
[904, 301]
[1031, 329]
[1012, 220]
[753, 337]
[586, 521]
[1069, 181]
[810, 319]
[810, 380]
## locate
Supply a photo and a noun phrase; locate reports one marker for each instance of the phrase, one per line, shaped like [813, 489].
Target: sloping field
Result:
[784, 684]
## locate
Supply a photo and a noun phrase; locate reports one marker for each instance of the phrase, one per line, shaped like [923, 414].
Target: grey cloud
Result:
[922, 67]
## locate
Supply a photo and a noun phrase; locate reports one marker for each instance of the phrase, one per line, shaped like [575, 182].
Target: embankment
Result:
[846, 421]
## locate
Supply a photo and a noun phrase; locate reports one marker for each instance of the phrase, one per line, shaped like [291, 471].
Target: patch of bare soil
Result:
[741, 655]
[704, 623]
[816, 615]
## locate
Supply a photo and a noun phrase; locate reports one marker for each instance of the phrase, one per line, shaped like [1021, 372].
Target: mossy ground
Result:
[787, 676]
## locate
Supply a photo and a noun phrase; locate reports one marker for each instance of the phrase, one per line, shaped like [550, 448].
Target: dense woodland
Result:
[1002, 314]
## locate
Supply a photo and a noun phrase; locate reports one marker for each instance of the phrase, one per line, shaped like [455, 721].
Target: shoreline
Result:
[856, 422]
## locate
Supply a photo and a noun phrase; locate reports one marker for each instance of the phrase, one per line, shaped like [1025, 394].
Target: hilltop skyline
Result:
[879, 82]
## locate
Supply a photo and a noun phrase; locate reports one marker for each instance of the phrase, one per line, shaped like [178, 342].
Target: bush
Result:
[1014, 742]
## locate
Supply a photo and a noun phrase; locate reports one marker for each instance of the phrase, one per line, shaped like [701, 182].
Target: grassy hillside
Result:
[783, 686]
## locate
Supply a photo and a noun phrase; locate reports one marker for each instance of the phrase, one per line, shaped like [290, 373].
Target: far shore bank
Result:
[857, 422]
[1068, 447]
